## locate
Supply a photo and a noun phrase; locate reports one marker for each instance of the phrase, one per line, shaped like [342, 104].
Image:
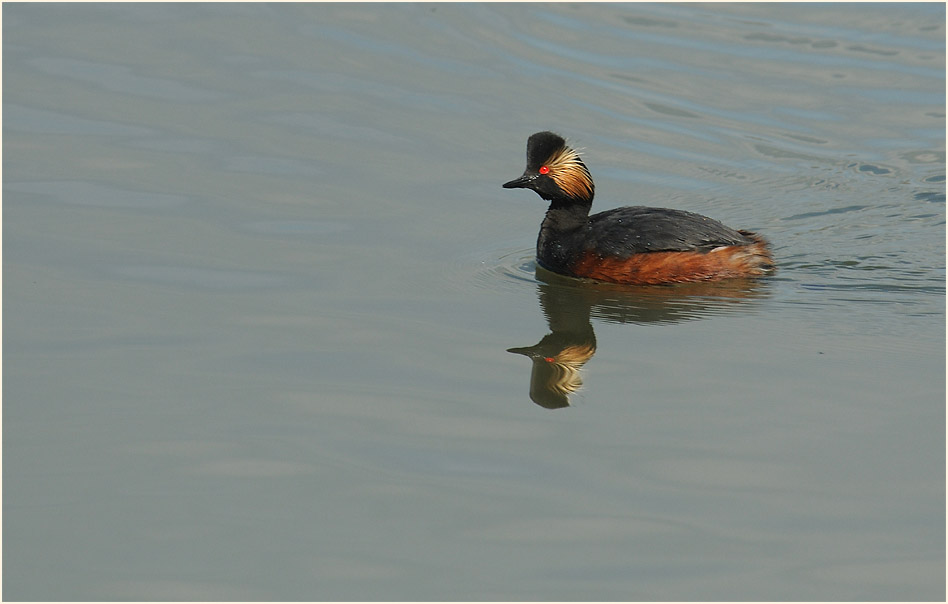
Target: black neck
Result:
[566, 215]
[561, 235]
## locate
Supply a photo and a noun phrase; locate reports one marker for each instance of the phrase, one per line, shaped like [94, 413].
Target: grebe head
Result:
[554, 170]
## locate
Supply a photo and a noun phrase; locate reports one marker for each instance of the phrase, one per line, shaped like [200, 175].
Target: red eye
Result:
[544, 170]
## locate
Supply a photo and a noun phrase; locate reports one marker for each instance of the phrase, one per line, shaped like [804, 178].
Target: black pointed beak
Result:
[524, 182]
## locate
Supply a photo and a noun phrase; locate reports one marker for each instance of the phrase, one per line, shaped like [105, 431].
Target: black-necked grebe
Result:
[633, 245]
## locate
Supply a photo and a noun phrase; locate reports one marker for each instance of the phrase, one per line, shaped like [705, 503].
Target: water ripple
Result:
[499, 270]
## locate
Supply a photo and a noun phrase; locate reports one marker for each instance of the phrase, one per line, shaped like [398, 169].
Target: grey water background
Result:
[260, 278]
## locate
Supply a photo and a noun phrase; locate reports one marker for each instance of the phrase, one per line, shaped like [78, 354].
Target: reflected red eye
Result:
[544, 170]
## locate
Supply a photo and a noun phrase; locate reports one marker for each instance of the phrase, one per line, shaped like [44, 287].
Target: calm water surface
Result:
[261, 281]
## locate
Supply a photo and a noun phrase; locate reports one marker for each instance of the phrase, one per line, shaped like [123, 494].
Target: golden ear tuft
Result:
[569, 173]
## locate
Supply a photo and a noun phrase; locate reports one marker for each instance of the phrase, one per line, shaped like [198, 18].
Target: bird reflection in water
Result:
[557, 359]
[568, 304]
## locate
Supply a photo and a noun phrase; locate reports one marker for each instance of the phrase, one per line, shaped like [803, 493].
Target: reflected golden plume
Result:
[565, 377]
[557, 360]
